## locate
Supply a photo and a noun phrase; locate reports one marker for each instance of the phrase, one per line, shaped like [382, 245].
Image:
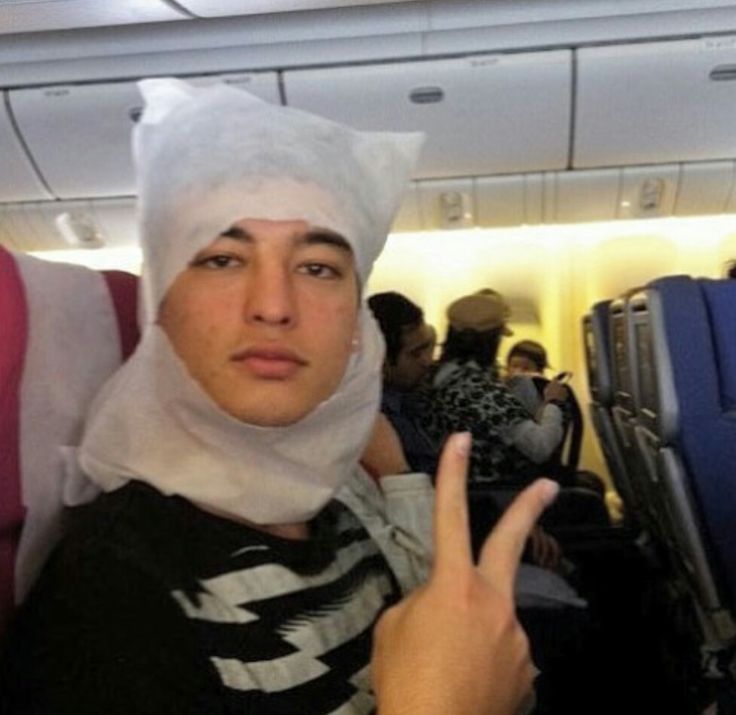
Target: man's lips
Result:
[270, 362]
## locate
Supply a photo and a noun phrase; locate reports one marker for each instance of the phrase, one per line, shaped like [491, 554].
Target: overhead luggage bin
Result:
[79, 135]
[656, 102]
[488, 114]
[20, 182]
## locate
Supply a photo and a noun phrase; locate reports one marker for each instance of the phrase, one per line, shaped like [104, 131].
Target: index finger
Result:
[501, 552]
[452, 549]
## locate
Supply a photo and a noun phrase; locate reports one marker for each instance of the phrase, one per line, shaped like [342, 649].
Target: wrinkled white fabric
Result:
[71, 319]
[207, 158]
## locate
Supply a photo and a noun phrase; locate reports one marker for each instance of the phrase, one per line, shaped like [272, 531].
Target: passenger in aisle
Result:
[507, 443]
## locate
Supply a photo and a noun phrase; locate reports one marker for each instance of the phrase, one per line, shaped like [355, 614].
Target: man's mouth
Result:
[271, 363]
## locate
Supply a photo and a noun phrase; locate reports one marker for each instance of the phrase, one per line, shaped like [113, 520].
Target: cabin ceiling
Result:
[26, 16]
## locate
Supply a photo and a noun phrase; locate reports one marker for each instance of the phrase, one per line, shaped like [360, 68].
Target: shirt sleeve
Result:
[106, 640]
[537, 440]
[398, 516]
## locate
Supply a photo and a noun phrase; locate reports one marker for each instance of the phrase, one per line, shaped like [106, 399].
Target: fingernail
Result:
[462, 443]
[551, 490]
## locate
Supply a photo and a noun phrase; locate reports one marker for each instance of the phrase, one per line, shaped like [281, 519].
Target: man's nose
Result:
[270, 296]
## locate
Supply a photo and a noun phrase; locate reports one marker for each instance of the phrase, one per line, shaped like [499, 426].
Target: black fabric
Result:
[122, 619]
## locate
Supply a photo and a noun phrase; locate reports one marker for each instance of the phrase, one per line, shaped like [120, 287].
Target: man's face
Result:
[414, 358]
[265, 318]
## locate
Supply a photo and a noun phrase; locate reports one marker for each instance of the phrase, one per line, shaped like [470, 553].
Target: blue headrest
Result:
[679, 310]
[599, 324]
[720, 298]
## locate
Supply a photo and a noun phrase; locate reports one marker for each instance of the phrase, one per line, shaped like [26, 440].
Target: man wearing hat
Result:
[467, 395]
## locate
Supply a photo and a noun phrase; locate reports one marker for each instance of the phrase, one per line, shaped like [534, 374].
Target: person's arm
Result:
[537, 440]
[395, 506]
[454, 646]
[104, 639]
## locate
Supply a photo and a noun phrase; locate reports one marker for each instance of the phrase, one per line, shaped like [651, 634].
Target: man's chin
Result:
[268, 416]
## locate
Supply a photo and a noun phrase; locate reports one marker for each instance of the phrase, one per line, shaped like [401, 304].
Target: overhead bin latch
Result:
[723, 73]
[426, 95]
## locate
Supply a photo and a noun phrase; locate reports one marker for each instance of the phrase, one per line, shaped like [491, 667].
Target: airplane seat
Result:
[626, 396]
[688, 417]
[597, 355]
[65, 329]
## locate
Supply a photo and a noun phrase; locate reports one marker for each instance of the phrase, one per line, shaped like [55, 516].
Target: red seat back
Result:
[22, 331]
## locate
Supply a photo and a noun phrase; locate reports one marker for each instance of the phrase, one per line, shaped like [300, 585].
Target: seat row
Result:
[662, 376]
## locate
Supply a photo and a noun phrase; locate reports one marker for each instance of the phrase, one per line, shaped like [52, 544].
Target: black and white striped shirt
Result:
[151, 605]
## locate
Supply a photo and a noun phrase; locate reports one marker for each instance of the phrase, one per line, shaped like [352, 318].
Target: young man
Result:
[239, 558]
[409, 346]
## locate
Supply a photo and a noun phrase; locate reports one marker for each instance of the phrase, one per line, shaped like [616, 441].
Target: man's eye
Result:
[319, 270]
[218, 261]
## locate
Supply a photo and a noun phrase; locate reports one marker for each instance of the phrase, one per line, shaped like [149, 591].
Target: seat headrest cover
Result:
[13, 339]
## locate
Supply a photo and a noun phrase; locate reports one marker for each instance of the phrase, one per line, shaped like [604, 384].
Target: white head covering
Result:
[207, 158]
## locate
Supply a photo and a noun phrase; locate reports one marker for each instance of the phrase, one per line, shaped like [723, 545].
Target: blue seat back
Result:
[693, 329]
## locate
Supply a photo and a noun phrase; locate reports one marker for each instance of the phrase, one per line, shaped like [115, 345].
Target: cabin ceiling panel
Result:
[579, 196]
[38, 15]
[20, 182]
[705, 188]
[217, 8]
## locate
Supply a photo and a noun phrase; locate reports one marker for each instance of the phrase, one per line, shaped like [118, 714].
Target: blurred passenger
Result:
[731, 269]
[409, 347]
[527, 357]
[526, 364]
[508, 443]
[506, 331]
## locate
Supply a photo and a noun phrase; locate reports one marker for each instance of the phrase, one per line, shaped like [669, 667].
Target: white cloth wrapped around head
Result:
[206, 159]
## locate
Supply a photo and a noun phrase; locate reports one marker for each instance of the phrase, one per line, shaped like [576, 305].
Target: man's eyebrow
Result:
[314, 236]
[239, 234]
[323, 236]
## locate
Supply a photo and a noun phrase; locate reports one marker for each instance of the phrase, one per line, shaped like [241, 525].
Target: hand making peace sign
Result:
[454, 646]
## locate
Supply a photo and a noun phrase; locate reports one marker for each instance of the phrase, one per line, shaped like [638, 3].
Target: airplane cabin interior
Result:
[580, 159]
